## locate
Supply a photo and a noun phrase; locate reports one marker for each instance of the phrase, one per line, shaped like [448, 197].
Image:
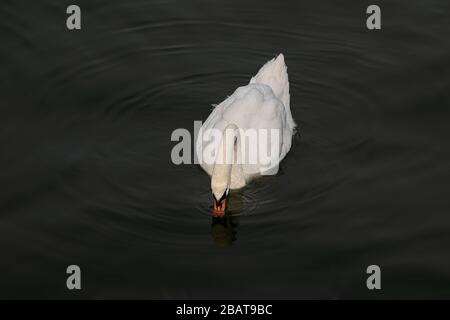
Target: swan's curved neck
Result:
[226, 157]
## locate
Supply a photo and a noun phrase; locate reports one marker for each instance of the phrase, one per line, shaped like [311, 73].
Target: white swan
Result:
[263, 104]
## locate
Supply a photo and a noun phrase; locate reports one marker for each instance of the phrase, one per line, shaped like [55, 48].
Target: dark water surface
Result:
[86, 176]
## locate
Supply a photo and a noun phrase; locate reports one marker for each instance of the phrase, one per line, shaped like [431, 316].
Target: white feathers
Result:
[262, 104]
[274, 74]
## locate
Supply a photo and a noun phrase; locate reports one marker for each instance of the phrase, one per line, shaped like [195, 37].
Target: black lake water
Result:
[86, 175]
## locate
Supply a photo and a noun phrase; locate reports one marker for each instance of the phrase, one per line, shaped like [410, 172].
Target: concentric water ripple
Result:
[87, 116]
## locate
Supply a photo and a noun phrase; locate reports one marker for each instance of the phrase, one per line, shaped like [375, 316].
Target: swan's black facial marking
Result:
[220, 201]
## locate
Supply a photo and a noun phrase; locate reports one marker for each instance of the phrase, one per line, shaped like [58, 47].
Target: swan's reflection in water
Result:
[224, 229]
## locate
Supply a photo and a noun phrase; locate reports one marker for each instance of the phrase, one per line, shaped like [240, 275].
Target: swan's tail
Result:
[274, 74]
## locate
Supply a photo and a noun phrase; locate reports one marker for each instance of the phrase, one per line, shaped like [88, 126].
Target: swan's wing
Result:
[254, 106]
[274, 74]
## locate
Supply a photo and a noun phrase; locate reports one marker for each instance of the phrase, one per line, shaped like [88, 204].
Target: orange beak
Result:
[219, 208]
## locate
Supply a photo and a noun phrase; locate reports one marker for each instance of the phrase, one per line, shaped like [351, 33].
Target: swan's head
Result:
[220, 192]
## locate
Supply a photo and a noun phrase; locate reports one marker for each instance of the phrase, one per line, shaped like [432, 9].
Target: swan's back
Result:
[262, 104]
[274, 74]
